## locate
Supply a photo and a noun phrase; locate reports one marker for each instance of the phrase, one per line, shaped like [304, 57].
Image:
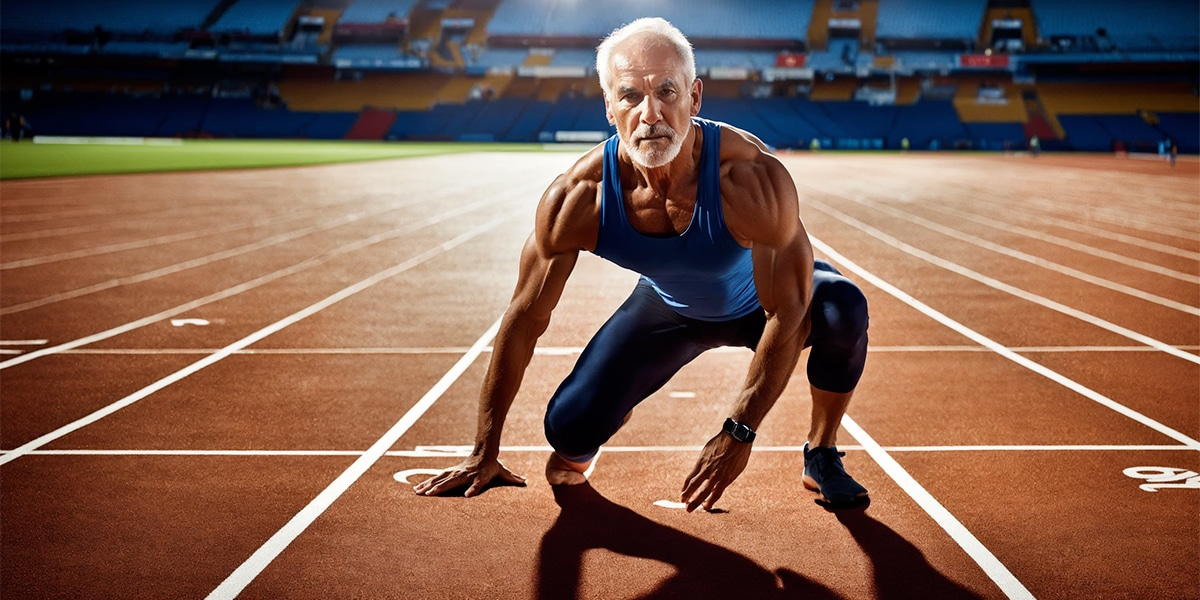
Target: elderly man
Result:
[710, 219]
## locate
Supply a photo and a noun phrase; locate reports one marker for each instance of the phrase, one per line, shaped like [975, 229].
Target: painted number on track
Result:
[1158, 478]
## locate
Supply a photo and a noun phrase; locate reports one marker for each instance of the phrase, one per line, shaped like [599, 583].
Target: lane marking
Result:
[402, 476]
[203, 260]
[991, 565]
[1006, 352]
[681, 395]
[997, 284]
[250, 569]
[1066, 243]
[243, 287]
[23, 342]
[252, 338]
[1047, 218]
[1028, 258]
[1118, 216]
[1158, 478]
[459, 451]
[144, 243]
[669, 504]
[565, 351]
[183, 322]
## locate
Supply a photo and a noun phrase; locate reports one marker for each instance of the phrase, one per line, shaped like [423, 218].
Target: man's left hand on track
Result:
[720, 463]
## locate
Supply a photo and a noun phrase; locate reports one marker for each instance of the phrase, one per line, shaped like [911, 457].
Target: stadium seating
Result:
[930, 19]
[376, 11]
[779, 19]
[525, 71]
[256, 17]
[134, 16]
[1120, 19]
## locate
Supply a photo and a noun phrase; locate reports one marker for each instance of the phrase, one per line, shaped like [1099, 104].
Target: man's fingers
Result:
[439, 483]
[697, 499]
[511, 477]
[717, 492]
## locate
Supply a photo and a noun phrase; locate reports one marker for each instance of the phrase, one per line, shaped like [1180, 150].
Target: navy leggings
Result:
[646, 342]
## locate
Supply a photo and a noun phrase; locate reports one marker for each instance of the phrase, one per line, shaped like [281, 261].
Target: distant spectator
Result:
[1035, 146]
[16, 127]
[1173, 151]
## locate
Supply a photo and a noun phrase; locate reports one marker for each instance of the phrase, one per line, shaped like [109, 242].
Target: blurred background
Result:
[1096, 76]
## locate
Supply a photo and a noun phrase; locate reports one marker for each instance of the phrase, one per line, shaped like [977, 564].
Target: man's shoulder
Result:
[569, 211]
[586, 172]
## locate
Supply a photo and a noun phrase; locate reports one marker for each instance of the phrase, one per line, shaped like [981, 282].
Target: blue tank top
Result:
[703, 273]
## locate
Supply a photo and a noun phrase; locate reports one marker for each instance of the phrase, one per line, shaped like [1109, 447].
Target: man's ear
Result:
[608, 111]
[697, 92]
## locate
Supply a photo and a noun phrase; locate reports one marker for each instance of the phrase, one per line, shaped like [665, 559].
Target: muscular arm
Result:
[566, 223]
[542, 278]
[762, 210]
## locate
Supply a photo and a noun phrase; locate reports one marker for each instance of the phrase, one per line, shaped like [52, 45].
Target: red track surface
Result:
[212, 381]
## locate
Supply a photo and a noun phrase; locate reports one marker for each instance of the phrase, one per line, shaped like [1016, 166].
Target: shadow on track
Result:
[901, 570]
[703, 570]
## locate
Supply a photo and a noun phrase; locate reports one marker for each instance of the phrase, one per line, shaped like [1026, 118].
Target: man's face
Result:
[651, 104]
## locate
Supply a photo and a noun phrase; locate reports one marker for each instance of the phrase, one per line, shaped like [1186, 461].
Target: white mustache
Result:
[656, 130]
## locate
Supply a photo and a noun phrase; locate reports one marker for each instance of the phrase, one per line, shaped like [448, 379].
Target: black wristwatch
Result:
[740, 431]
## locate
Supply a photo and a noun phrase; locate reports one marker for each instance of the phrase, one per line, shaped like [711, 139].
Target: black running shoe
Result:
[824, 473]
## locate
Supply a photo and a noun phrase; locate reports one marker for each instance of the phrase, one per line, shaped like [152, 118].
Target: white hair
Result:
[652, 25]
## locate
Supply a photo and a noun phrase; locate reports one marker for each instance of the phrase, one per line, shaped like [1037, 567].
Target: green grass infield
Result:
[59, 157]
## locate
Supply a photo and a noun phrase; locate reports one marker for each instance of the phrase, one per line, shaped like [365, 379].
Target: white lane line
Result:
[1029, 258]
[250, 569]
[569, 350]
[463, 450]
[1118, 217]
[23, 342]
[1066, 243]
[1106, 234]
[200, 261]
[1006, 352]
[144, 243]
[252, 338]
[1004, 287]
[238, 289]
[1008, 583]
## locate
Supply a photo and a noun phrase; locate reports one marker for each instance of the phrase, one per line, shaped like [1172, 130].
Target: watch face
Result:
[739, 431]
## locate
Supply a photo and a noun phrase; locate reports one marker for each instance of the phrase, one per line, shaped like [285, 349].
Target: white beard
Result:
[653, 157]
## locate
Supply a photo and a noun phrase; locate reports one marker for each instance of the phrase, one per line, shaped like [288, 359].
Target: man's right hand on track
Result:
[476, 471]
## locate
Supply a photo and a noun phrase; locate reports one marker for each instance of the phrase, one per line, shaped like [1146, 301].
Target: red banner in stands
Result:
[991, 61]
[789, 59]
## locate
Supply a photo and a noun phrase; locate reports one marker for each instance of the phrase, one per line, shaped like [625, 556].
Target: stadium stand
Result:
[118, 16]
[929, 19]
[256, 17]
[376, 11]
[846, 73]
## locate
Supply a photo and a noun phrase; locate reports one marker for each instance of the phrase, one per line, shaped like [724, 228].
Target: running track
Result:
[214, 383]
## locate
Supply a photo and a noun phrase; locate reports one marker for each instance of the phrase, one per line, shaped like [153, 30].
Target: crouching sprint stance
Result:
[710, 219]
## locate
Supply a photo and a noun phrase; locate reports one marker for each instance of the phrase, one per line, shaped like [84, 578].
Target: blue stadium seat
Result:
[780, 19]
[376, 11]
[130, 16]
[932, 19]
[256, 17]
